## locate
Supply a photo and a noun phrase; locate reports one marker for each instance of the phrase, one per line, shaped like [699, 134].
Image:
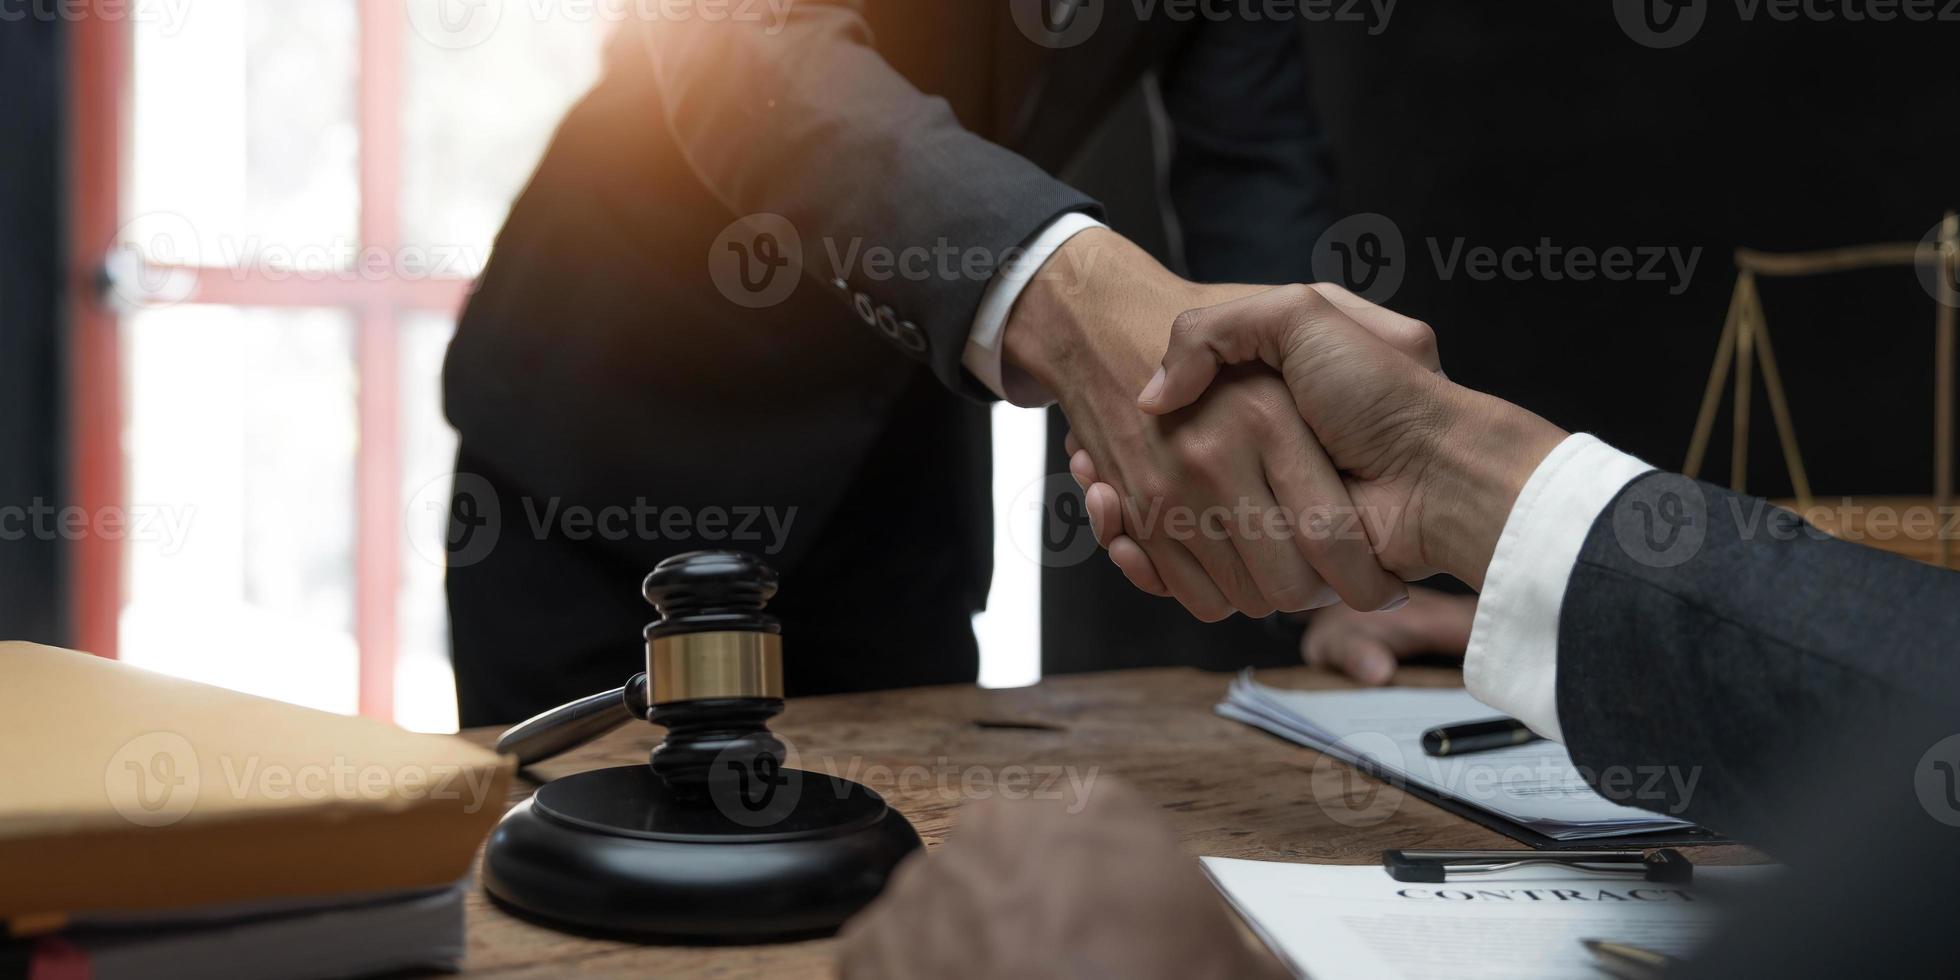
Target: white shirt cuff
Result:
[983, 344]
[1512, 661]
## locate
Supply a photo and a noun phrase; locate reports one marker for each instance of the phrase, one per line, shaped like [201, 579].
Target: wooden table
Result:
[1229, 790]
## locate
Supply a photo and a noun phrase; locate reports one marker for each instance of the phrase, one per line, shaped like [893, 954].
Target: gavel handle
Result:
[569, 726]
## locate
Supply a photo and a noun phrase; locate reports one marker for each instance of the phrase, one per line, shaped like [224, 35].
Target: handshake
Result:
[1279, 448]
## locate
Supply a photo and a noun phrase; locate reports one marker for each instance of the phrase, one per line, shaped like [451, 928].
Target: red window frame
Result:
[99, 60]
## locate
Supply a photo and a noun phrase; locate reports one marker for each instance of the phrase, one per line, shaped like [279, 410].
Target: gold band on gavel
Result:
[693, 666]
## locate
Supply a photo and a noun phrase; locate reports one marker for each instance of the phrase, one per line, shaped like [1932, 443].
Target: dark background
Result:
[31, 94]
[1496, 123]
[1504, 123]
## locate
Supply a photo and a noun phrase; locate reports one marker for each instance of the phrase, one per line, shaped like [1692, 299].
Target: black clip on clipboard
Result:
[1664, 864]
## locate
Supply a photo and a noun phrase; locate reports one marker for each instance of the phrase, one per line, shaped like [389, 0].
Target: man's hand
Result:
[1433, 467]
[1368, 646]
[1214, 492]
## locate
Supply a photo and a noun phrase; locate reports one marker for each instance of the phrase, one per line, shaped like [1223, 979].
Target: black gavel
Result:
[714, 675]
[714, 838]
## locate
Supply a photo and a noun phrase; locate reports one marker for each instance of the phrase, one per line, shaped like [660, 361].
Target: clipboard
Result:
[1681, 837]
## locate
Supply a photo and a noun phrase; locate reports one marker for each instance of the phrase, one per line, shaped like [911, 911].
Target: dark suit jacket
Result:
[1703, 629]
[599, 365]
[1806, 693]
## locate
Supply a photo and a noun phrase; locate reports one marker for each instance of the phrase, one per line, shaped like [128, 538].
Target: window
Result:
[290, 199]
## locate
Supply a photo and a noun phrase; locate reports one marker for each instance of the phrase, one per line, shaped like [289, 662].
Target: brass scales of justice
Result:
[1745, 342]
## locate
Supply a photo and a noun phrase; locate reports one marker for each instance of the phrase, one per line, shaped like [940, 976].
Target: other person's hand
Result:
[1432, 467]
[1369, 646]
[1213, 488]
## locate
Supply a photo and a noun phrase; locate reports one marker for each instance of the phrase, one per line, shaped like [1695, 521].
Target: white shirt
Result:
[983, 344]
[1512, 661]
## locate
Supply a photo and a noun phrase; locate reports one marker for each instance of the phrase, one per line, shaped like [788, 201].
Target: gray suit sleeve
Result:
[1714, 641]
[805, 120]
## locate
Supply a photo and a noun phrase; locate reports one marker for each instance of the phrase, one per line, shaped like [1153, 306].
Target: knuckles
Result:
[1198, 454]
[1305, 298]
[1188, 325]
[1416, 339]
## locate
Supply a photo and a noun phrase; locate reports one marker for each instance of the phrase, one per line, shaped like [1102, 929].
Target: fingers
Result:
[1202, 341]
[1362, 656]
[1188, 580]
[1369, 646]
[1409, 335]
[1279, 569]
[1195, 585]
[1082, 468]
[1105, 512]
[1327, 530]
[1106, 520]
[1255, 328]
[1136, 566]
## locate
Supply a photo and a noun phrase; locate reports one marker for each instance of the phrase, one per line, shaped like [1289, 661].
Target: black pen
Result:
[1476, 736]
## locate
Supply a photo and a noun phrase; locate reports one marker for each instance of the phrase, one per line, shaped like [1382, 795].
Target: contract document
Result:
[1332, 922]
[1380, 731]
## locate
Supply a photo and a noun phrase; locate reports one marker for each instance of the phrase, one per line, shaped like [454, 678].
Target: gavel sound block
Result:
[714, 839]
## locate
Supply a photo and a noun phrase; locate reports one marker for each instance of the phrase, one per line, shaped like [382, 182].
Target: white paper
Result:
[1534, 784]
[1332, 922]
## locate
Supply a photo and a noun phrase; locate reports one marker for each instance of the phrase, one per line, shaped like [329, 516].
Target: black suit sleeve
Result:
[1726, 641]
[1248, 180]
[804, 119]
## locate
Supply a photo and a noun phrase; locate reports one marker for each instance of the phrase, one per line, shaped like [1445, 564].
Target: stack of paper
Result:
[1357, 923]
[151, 826]
[1380, 731]
[341, 937]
